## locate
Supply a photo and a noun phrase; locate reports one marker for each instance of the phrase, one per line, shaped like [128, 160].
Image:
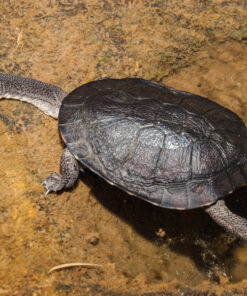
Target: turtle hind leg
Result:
[227, 219]
[69, 173]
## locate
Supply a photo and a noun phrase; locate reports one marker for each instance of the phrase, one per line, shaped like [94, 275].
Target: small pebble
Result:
[93, 239]
[161, 233]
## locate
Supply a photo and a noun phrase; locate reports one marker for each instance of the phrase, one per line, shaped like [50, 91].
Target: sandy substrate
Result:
[190, 45]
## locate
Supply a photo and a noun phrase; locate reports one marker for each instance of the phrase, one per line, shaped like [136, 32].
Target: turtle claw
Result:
[47, 191]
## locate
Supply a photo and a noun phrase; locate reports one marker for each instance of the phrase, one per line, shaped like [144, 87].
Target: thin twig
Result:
[68, 265]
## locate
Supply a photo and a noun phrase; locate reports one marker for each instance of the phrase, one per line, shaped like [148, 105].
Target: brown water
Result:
[189, 45]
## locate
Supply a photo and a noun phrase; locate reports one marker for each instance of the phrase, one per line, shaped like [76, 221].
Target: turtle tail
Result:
[46, 97]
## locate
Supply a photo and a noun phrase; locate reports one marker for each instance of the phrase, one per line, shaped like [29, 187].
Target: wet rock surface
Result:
[197, 46]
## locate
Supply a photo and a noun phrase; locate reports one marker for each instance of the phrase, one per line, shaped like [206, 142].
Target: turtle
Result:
[172, 148]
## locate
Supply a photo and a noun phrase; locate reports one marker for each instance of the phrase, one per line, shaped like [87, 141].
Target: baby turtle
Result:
[171, 148]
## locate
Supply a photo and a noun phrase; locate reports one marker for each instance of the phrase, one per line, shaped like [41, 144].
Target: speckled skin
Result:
[171, 148]
[70, 170]
[46, 97]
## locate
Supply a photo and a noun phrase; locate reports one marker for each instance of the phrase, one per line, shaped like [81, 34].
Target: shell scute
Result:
[175, 160]
[140, 167]
[113, 141]
[206, 160]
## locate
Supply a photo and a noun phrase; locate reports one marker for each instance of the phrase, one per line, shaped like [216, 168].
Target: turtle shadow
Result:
[190, 233]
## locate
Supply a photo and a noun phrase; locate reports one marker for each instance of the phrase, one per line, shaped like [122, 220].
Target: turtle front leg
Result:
[227, 219]
[69, 173]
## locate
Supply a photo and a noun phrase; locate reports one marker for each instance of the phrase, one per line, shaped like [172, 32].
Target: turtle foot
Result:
[54, 182]
[69, 174]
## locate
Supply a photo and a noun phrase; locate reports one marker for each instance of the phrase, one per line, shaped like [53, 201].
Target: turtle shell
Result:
[169, 147]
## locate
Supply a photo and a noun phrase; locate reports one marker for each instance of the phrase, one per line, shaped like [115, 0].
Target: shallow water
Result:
[143, 248]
